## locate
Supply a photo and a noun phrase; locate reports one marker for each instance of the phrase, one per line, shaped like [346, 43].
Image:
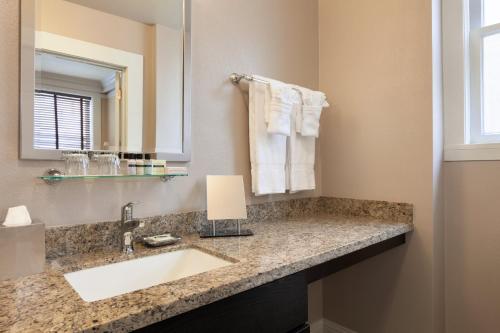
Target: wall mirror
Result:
[105, 75]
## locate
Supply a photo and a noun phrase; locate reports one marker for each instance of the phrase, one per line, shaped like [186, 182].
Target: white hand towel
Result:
[17, 216]
[267, 151]
[307, 120]
[301, 157]
[278, 111]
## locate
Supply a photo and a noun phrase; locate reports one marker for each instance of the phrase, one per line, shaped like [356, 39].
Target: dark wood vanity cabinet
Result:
[276, 307]
[302, 329]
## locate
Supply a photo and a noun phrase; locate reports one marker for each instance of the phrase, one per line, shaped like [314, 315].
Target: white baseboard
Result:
[332, 327]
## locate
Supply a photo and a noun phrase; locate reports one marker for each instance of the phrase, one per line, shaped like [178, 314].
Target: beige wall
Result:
[315, 305]
[228, 35]
[377, 143]
[472, 247]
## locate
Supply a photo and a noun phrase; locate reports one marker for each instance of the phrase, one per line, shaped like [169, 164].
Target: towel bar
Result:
[236, 78]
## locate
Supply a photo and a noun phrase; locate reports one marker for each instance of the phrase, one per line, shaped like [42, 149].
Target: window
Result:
[485, 71]
[62, 121]
[471, 79]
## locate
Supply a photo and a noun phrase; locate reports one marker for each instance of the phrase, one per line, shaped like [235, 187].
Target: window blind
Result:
[62, 121]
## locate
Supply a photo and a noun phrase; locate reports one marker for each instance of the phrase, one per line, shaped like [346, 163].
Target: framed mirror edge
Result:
[27, 88]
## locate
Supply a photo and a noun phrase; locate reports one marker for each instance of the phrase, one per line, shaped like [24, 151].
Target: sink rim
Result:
[78, 287]
[79, 262]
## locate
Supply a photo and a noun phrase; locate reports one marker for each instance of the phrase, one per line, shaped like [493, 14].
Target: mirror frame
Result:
[27, 89]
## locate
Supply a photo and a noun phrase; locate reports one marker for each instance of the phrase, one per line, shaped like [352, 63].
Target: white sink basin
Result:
[111, 280]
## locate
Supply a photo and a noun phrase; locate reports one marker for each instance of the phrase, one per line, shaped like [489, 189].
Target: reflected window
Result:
[62, 121]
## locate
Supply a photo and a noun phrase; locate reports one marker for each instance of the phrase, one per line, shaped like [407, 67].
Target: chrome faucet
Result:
[127, 226]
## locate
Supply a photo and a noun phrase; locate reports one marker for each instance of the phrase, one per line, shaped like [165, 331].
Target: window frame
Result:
[462, 83]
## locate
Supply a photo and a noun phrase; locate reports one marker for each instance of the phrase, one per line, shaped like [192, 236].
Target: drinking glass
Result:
[108, 164]
[76, 164]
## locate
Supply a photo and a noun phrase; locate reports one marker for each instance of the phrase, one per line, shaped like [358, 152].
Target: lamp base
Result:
[207, 233]
[225, 233]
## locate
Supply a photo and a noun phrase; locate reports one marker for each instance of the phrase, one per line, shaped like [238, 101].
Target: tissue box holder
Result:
[22, 250]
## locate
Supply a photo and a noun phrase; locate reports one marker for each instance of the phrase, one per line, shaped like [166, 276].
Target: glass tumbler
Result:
[108, 164]
[76, 164]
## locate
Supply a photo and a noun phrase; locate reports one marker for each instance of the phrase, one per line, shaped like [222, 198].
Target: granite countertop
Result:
[45, 302]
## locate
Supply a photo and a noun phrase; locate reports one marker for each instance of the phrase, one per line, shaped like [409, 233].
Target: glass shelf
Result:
[52, 177]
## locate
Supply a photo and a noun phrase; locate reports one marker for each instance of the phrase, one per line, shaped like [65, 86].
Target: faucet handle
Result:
[130, 205]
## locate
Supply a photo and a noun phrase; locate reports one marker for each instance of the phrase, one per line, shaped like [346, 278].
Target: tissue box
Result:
[22, 250]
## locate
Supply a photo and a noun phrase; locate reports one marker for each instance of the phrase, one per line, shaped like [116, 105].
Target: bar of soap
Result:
[160, 240]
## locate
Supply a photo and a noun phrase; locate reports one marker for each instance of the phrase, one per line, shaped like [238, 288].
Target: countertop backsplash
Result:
[84, 238]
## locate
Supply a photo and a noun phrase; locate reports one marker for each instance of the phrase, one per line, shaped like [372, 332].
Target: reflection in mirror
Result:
[108, 75]
[77, 104]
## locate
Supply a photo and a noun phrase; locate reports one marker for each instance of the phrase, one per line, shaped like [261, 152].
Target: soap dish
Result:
[161, 240]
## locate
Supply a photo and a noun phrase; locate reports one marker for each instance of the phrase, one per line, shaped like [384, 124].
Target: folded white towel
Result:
[307, 120]
[301, 156]
[278, 111]
[176, 170]
[17, 216]
[267, 151]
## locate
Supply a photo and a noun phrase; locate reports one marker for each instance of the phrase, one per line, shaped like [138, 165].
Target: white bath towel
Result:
[278, 111]
[267, 151]
[300, 156]
[307, 120]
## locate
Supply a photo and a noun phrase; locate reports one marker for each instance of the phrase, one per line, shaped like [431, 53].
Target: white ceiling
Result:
[50, 63]
[164, 12]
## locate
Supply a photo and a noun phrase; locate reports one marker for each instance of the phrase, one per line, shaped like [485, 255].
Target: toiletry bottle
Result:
[139, 164]
[131, 166]
[159, 167]
[148, 164]
[123, 163]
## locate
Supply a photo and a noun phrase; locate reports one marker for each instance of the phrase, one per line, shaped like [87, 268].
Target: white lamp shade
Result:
[226, 198]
